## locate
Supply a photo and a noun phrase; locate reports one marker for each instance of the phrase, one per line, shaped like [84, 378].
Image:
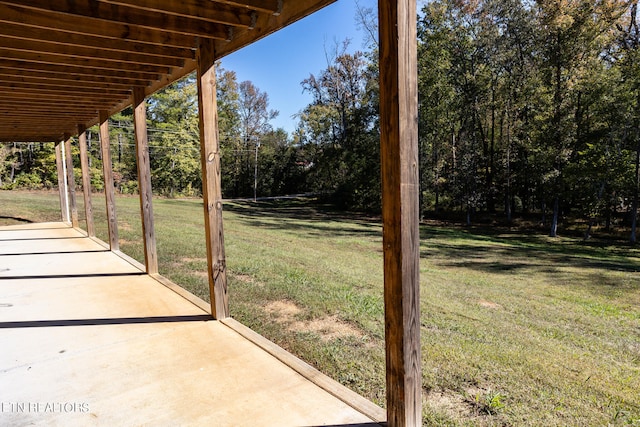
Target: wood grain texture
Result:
[26, 32]
[86, 180]
[107, 170]
[211, 180]
[401, 234]
[102, 48]
[72, 10]
[144, 180]
[226, 14]
[62, 188]
[71, 181]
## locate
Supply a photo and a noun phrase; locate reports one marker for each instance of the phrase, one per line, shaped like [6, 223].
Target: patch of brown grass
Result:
[328, 328]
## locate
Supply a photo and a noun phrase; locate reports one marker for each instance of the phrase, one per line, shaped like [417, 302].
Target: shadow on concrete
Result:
[105, 321]
[69, 276]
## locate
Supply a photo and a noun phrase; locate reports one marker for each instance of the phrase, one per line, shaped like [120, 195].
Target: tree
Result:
[628, 59]
[254, 114]
[339, 131]
[174, 139]
[572, 36]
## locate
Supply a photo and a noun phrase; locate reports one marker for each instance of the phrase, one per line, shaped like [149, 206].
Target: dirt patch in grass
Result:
[245, 278]
[451, 404]
[489, 304]
[198, 273]
[284, 311]
[187, 260]
[328, 328]
[476, 405]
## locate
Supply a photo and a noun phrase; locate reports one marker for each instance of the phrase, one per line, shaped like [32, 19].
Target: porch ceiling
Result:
[63, 61]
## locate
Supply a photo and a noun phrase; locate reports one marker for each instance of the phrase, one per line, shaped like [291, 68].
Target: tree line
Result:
[531, 106]
[524, 107]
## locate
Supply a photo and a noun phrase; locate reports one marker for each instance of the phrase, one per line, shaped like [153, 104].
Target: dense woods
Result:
[526, 107]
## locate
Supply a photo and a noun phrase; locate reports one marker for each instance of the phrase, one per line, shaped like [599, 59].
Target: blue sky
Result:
[278, 63]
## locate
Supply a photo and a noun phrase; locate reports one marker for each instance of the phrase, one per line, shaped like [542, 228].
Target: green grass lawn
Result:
[517, 329]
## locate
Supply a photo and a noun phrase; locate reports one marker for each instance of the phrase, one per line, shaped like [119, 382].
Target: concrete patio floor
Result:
[88, 339]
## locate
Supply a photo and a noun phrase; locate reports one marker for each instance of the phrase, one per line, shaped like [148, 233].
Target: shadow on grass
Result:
[496, 252]
[308, 217]
[17, 219]
[495, 249]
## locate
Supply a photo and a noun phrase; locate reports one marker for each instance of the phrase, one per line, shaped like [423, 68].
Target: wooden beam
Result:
[44, 120]
[287, 13]
[45, 20]
[45, 86]
[71, 181]
[53, 94]
[86, 180]
[211, 180]
[114, 14]
[85, 52]
[101, 65]
[70, 70]
[28, 32]
[107, 171]
[401, 234]
[62, 188]
[273, 7]
[221, 13]
[35, 137]
[62, 78]
[144, 180]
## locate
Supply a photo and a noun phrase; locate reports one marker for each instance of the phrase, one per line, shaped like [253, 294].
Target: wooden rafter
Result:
[62, 61]
[226, 14]
[101, 64]
[31, 33]
[6, 83]
[113, 13]
[62, 79]
[67, 52]
[51, 21]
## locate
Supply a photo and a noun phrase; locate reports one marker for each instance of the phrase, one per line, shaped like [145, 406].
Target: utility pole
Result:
[255, 174]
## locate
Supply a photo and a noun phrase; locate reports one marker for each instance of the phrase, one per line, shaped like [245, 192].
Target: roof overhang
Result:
[63, 61]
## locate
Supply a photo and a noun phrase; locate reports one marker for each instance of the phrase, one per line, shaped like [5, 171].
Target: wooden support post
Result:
[71, 181]
[62, 183]
[86, 180]
[107, 170]
[211, 180]
[401, 233]
[144, 180]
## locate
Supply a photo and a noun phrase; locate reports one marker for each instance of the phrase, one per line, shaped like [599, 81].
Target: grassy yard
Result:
[517, 329]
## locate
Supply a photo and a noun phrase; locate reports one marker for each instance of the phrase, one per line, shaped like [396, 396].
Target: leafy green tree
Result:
[572, 35]
[339, 131]
[627, 57]
[255, 115]
[229, 129]
[281, 168]
[174, 139]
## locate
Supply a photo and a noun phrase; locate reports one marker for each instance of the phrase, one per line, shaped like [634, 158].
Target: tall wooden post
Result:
[211, 179]
[107, 170]
[71, 181]
[62, 183]
[144, 180]
[86, 180]
[401, 234]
